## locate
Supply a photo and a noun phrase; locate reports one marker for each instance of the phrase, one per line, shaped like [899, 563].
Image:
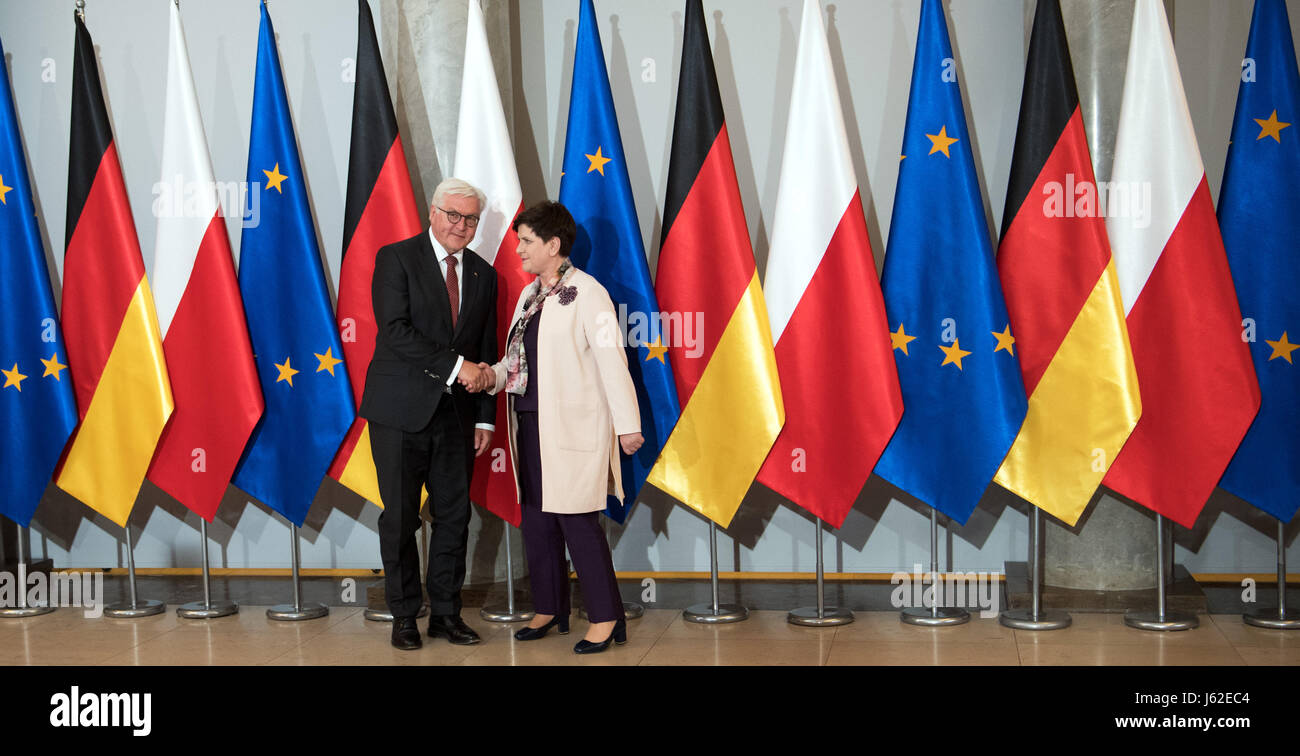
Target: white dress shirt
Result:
[442, 255]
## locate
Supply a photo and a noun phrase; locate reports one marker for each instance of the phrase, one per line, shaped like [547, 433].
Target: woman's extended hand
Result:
[631, 442]
[476, 378]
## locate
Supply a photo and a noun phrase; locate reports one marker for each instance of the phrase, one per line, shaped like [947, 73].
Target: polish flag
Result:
[1199, 391]
[379, 209]
[200, 312]
[486, 159]
[821, 285]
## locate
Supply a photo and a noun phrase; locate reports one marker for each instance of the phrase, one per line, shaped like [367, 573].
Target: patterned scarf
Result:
[516, 358]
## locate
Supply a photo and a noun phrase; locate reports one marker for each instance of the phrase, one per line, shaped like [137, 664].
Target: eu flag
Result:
[963, 396]
[290, 319]
[597, 191]
[1259, 214]
[38, 409]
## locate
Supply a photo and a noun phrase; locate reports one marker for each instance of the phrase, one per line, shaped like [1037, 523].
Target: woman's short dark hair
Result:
[549, 220]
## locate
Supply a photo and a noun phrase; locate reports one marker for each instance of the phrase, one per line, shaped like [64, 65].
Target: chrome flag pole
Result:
[935, 616]
[820, 615]
[631, 609]
[1161, 619]
[507, 613]
[1281, 618]
[1035, 618]
[206, 609]
[383, 615]
[296, 611]
[714, 613]
[20, 607]
[135, 608]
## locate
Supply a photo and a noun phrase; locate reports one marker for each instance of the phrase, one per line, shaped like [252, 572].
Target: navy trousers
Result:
[547, 533]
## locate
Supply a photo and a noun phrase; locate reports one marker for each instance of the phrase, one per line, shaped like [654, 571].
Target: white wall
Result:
[754, 45]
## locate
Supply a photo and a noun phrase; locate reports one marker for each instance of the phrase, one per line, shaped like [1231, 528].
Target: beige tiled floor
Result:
[658, 638]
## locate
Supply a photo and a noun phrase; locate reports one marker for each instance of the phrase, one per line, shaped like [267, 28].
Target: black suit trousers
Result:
[441, 458]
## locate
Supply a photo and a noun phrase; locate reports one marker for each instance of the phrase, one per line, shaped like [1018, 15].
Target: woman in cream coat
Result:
[573, 407]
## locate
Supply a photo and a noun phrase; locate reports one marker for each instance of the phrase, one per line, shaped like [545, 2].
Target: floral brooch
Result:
[568, 294]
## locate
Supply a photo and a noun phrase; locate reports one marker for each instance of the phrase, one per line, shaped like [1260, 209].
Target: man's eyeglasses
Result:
[453, 217]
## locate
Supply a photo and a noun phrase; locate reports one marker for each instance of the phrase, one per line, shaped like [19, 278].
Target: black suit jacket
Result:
[416, 347]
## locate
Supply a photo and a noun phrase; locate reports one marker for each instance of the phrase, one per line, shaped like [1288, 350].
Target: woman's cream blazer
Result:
[586, 399]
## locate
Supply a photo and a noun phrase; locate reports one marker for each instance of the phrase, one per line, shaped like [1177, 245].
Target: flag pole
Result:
[1281, 618]
[820, 615]
[1035, 618]
[507, 613]
[136, 608]
[1161, 619]
[296, 611]
[714, 613]
[21, 609]
[383, 615]
[205, 609]
[631, 609]
[935, 616]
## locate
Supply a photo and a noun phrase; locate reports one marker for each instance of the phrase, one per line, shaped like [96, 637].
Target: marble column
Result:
[423, 44]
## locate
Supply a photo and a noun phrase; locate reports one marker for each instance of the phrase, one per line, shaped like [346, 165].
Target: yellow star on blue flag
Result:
[14, 378]
[291, 449]
[597, 190]
[327, 361]
[598, 162]
[940, 276]
[1259, 216]
[274, 178]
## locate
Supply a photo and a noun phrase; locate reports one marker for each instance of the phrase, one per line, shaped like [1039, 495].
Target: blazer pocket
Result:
[574, 424]
[395, 369]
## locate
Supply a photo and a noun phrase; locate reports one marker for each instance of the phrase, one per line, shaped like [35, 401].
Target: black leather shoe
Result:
[406, 634]
[618, 635]
[534, 633]
[453, 628]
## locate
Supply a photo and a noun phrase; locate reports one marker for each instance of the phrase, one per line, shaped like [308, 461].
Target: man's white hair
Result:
[458, 188]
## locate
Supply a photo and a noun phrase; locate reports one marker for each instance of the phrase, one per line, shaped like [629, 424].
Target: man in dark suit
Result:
[435, 306]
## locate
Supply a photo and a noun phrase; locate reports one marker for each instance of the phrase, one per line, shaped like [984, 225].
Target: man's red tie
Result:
[453, 289]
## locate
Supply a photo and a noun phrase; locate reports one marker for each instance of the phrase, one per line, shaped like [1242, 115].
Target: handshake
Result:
[476, 378]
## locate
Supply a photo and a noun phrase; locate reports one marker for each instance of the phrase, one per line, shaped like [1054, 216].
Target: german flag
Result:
[727, 379]
[380, 209]
[115, 351]
[1062, 293]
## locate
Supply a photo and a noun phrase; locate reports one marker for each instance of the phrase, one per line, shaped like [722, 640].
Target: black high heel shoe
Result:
[534, 633]
[618, 635]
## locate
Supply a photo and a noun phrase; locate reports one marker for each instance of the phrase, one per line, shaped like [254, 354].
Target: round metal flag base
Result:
[383, 615]
[1152, 621]
[503, 614]
[291, 613]
[1273, 620]
[830, 616]
[945, 617]
[1024, 619]
[26, 611]
[146, 608]
[209, 610]
[631, 610]
[703, 614]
